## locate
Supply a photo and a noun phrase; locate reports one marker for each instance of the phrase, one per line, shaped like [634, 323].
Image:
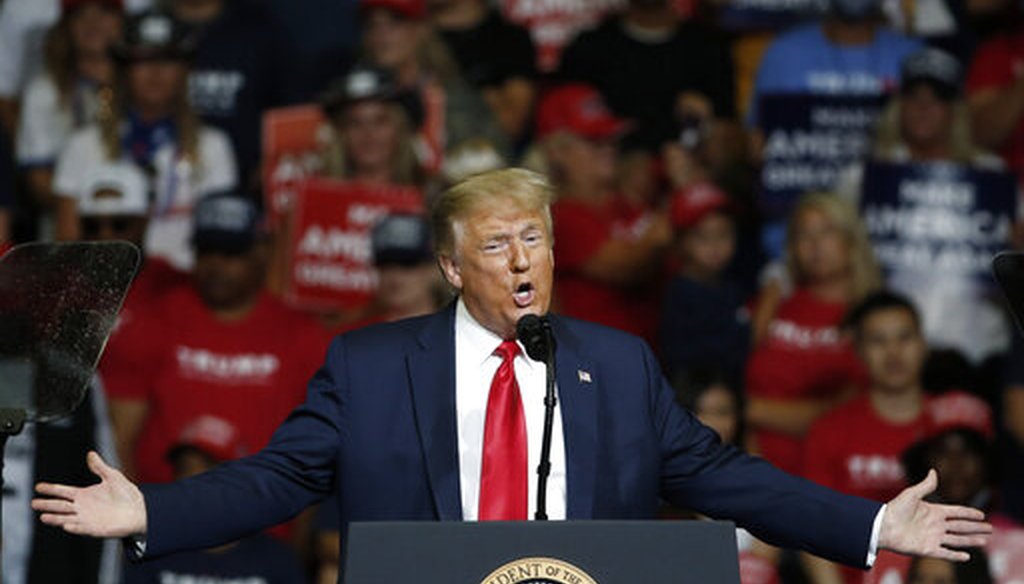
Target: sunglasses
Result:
[93, 226]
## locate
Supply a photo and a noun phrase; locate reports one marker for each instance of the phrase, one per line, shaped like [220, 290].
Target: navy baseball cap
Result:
[154, 35]
[933, 67]
[369, 83]
[225, 222]
[402, 239]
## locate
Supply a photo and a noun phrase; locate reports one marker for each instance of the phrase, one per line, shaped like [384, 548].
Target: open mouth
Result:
[524, 295]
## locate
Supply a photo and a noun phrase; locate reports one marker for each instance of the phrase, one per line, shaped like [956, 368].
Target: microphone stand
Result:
[544, 467]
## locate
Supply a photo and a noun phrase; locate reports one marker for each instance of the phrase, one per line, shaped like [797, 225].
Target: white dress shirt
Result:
[475, 365]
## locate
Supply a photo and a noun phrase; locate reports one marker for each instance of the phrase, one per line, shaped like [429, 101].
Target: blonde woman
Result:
[147, 121]
[372, 129]
[65, 96]
[928, 123]
[397, 37]
[803, 366]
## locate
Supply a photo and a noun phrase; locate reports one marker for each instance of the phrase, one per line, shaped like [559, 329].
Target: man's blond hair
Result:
[519, 187]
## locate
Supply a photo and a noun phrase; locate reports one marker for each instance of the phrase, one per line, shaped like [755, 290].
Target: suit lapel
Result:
[431, 364]
[577, 391]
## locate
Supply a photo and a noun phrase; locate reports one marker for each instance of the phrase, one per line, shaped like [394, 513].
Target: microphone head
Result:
[534, 332]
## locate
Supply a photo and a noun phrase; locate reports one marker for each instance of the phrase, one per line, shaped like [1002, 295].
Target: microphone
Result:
[534, 332]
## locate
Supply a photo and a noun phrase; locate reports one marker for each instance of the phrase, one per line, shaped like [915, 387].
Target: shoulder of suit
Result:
[587, 334]
[406, 328]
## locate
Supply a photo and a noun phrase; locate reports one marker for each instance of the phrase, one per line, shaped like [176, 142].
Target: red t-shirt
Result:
[998, 64]
[124, 355]
[251, 373]
[856, 451]
[581, 230]
[756, 570]
[803, 356]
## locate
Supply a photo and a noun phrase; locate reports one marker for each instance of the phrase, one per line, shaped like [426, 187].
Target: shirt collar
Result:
[475, 341]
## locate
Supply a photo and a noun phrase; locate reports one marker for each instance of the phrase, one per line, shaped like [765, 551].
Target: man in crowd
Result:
[849, 53]
[222, 346]
[886, 420]
[242, 67]
[610, 249]
[651, 66]
[407, 280]
[495, 56]
[397, 425]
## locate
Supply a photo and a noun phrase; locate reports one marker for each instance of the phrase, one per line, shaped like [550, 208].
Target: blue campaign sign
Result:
[938, 219]
[808, 141]
[740, 15]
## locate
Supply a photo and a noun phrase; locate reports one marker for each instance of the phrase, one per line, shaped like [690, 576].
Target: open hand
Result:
[912, 525]
[114, 507]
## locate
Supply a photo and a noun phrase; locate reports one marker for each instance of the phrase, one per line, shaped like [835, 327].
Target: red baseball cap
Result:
[958, 409]
[213, 436]
[411, 9]
[692, 204]
[578, 109]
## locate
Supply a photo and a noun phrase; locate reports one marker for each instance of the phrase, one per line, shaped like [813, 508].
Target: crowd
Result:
[794, 202]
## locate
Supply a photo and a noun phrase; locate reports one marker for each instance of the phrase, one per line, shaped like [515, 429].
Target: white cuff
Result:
[876, 528]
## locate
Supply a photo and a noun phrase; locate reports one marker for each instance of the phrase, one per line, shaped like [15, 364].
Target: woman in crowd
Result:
[372, 128]
[65, 95]
[397, 37]
[149, 122]
[927, 125]
[801, 365]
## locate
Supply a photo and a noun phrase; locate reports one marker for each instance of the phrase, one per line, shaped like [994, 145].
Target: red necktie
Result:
[503, 486]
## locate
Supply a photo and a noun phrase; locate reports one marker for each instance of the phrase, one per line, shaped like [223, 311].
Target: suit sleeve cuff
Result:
[135, 547]
[876, 528]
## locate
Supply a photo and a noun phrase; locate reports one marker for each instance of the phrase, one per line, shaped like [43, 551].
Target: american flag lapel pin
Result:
[584, 376]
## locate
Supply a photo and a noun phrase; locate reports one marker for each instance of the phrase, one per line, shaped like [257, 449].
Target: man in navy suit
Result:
[397, 426]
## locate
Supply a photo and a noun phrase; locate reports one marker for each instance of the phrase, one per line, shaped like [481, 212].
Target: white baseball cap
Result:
[117, 188]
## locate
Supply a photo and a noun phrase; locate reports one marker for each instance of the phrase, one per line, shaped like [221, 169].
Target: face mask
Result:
[856, 10]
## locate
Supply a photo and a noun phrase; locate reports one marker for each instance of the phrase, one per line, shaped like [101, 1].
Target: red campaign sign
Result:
[553, 23]
[329, 264]
[293, 139]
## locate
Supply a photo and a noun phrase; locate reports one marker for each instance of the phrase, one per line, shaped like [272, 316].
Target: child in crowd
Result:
[203, 444]
[703, 320]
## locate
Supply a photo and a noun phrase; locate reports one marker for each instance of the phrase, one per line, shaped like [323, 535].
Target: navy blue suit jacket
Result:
[378, 431]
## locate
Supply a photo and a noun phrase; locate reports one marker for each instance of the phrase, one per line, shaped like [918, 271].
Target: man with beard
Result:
[221, 347]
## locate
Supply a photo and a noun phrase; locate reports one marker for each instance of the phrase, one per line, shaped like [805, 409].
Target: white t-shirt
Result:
[45, 124]
[176, 185]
